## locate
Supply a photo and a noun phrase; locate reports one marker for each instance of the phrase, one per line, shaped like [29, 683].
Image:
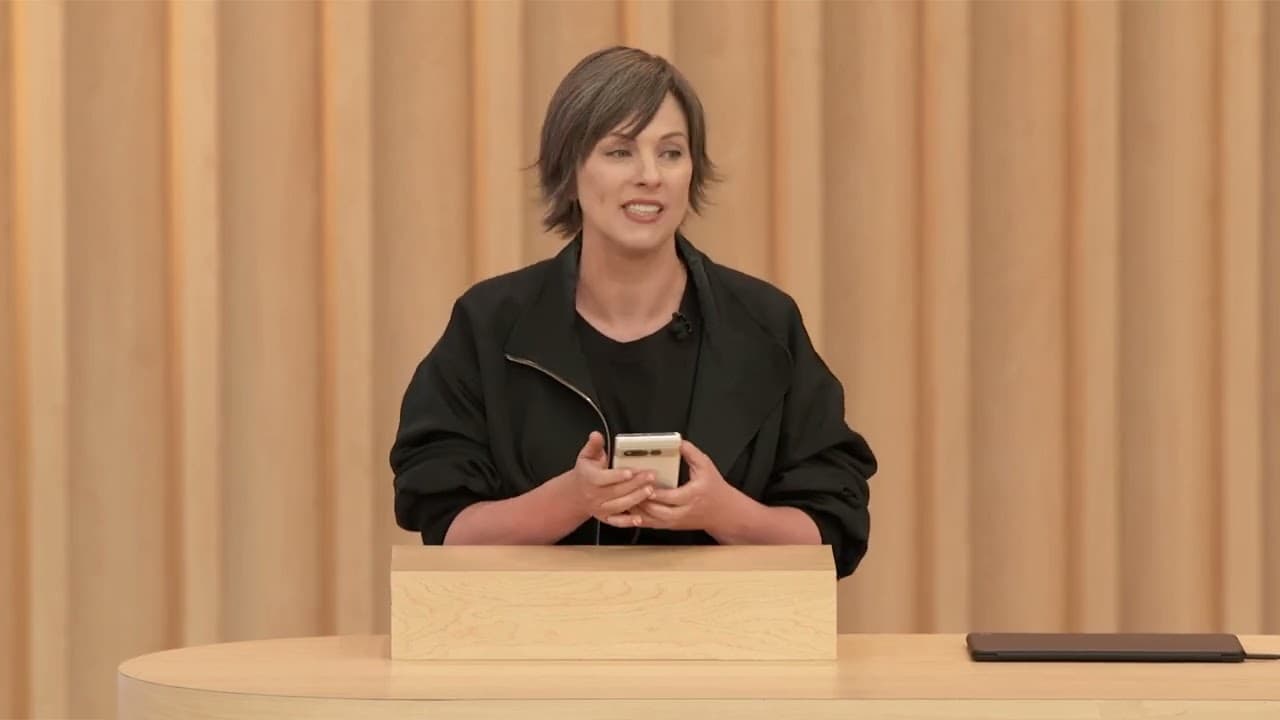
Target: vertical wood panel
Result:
[648, 25]
[498, 199]
[348, 307]
[13, 658]
[268, 111]
[729, 69]
[1167, 324]
[1019, 307]
[945, 287]
[1239, 79]
[1093, 240]
[871, 280]
[796, 191]
[40, 266]
[422, 258]
[194, 227]
[119, 349]
[557, 34]
[1271, 322]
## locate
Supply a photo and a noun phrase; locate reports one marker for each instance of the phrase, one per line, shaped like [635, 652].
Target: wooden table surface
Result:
[876, 676]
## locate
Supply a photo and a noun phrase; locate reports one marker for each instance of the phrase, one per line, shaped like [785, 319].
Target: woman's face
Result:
[635, 193]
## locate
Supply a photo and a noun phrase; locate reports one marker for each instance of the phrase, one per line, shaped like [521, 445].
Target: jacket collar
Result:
[742, 372]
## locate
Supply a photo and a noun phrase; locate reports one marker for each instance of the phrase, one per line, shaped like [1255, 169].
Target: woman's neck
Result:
[629, 296]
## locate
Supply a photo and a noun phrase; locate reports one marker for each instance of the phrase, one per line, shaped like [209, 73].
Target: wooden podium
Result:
[613, 603]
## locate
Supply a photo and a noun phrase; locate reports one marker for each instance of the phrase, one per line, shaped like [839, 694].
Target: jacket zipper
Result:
[566, 383]
[607, 443]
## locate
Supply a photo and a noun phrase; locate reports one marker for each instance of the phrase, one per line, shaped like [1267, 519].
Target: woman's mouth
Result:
[643, 212]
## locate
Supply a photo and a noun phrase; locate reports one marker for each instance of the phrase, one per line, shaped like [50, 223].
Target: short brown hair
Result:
[604, 90]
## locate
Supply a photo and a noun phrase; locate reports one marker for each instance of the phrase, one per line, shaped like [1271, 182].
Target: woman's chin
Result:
[640, 241]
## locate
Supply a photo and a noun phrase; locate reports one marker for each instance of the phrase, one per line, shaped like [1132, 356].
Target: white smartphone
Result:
[658, 453]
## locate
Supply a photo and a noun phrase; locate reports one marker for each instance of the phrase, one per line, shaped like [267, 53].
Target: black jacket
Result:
[500, 405]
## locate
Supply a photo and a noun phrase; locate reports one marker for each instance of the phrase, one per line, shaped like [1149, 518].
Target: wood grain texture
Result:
[40, 265]
[423, 241]
[648, 25]
[1093, 249]
[729, 69]
[196, 314]
[869, 667]
[556, 34]
[144, 702]
[12, 493]
[871, 283]
[351, 461]
[1168, 300]
[798, 238]
[497, 101]
[1239, 263]
[1271, 322]
[612, 558]
[269, 126]
[1019, 253]
[122, 530]
[621, 603]
[946, 288]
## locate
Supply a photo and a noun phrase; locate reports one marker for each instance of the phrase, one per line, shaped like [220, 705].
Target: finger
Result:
[638, 481]
[604, 478]
[620, 476]
[693, 456]
[675, 497]
[594, 449]
[657, 515]
[626, 502]
[624, 520]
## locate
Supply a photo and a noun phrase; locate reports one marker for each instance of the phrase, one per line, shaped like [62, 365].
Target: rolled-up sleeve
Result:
[824, 467]
[440, 456]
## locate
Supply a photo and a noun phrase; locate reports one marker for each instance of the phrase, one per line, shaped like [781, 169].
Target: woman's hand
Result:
[706, 502]
[600, 492]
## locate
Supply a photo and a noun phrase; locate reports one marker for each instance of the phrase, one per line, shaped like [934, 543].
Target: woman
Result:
[506, 426]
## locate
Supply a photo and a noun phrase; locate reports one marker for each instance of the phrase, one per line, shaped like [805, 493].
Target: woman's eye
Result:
[673, 154]
[619, 153]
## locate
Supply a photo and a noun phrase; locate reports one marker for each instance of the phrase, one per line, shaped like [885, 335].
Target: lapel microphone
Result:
[680, 327]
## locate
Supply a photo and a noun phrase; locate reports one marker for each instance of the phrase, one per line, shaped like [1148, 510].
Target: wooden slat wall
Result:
[195, 315]
[120, 516]
[270, 136]
[1168, 297]
[1092, 256]
[1270, 391]
[12, 502]
[38, 115]
[229, 232]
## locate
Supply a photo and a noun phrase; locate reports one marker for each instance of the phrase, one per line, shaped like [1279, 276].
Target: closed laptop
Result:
[1104, 647]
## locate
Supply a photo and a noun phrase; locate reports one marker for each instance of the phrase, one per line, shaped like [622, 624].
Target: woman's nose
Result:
[649, 173]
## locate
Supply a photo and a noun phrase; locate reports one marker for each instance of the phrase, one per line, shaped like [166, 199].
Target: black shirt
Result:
[645, 386]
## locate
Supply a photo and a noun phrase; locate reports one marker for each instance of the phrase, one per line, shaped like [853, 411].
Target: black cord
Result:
[1262, 656]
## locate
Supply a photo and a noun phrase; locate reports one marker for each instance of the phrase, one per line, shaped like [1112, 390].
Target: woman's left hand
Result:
[705, 502]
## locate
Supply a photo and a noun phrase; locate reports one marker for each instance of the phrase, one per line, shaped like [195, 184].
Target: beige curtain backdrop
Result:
[1039, 243]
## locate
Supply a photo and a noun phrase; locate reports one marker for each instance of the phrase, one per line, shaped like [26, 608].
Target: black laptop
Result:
[1105, 647]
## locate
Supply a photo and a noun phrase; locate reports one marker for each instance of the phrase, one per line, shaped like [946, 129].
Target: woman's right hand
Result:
[601, 492]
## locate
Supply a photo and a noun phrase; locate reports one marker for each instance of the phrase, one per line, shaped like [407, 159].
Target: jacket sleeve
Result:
[823, 466]
[441, 457]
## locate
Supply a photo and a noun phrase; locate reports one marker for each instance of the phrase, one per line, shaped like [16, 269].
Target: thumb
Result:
[594, 449]
[695, 458]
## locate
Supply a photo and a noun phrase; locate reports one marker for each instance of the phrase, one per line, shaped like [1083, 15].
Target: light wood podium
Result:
[482, 614]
